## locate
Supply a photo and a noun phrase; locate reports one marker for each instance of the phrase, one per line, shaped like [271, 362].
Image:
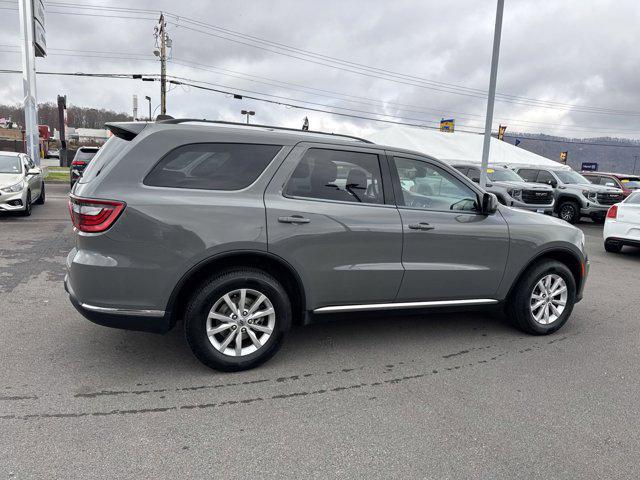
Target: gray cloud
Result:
[576, 52]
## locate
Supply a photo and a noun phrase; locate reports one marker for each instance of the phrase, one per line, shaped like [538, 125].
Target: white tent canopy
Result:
[456, 147]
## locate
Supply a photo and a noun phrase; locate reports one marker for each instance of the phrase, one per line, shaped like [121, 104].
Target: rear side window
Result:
[337, 175]
[633, 199]
[212, 166]
[111, 149]
[546, 177]
[85, 155]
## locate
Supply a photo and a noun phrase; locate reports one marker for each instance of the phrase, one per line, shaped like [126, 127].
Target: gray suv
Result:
[511, 189]
[238, 232]
[576, 197]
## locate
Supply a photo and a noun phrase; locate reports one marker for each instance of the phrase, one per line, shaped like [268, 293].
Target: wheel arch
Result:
[562, 255]
[263, 260]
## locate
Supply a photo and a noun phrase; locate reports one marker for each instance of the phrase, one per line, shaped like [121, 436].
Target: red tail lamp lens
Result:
[94, 216]
[613, 211]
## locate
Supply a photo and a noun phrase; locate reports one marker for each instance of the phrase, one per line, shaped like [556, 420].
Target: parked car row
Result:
[565, 192]
[21, 183]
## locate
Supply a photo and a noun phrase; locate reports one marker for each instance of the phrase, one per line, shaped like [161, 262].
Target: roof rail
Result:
[173, 121]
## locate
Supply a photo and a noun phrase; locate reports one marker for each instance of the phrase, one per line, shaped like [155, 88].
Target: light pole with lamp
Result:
[248, 113]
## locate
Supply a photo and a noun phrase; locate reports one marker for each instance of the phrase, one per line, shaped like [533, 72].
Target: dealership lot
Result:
[444, 396]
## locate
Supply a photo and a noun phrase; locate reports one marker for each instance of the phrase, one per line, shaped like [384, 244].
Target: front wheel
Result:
[41, 198]
[237, 320]
[27, 205]
[569, 212]
[543, 299]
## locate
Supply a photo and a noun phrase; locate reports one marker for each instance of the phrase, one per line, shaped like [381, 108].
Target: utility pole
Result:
[32, 135]
[163, 41]
[492, 94]
[635, 160]
[62, 125]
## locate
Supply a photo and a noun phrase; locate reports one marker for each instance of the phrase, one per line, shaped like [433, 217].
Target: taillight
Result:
[78, 163]
[94, 216]
[612, 212]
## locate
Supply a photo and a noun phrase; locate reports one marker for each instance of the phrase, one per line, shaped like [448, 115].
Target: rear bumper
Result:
[154, 321]
[585, 274]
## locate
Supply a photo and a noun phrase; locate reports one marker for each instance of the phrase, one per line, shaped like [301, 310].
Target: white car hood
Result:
[8, 179]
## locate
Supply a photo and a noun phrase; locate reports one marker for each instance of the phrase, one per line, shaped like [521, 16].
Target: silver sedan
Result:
[21, 183]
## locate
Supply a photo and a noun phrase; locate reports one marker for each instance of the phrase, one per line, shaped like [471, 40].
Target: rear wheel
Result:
[543, 299]
[612, 246]
[237, 320]
[41, 198]
[569, 211]
[27, 205]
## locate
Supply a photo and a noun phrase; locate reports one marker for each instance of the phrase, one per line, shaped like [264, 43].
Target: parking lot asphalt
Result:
[460, 395]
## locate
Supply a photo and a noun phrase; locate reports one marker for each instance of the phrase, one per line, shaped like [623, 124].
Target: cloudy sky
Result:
[566, 67]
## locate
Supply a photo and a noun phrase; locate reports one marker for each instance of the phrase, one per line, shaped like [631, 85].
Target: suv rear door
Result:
[450, 251]
[330, 214]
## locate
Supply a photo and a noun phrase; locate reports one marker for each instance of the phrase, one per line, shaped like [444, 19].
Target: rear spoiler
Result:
[126, 130]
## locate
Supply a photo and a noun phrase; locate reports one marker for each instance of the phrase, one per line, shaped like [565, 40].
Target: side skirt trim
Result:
[398, 305]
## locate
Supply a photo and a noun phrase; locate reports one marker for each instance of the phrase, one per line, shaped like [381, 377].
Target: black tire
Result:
[41, 198]
[569, 211]
[210, 292]
[27, 208]
[612, 247]
[518, 305]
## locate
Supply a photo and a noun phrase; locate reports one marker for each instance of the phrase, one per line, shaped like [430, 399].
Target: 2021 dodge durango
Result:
[238, 232]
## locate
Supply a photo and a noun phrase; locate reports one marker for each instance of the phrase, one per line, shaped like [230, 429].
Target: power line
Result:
[383, 74]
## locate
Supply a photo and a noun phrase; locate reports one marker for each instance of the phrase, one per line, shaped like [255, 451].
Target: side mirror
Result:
[553, 183]
[33, 171]
[489, 204]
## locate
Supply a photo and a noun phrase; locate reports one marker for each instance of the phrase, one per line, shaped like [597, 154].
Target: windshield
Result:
[10, 164]
[503, 175]
[571, 177]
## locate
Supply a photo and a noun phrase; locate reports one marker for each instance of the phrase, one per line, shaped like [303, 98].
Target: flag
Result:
[501, 130]
[563, 157]
[447, 125]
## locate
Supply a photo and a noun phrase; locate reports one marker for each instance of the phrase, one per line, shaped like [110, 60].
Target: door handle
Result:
[293, 219]
[421, 226]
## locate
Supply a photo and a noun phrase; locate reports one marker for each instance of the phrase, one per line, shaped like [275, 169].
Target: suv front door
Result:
[451, 250]
[330, 215]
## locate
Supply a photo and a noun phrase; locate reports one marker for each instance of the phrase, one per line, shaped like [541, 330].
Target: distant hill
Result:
[82, 117]
[611, 154]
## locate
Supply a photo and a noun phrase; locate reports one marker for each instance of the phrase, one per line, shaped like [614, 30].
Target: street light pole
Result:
[492, 94]
[32, 136]
[248, 113]
[148, 99]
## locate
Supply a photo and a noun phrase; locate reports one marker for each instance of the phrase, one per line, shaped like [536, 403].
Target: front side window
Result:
[337, 175]
[212, 166]
[528, 174]
[474, 174]
[546, 177]
[10, 164]
[608, 182]
[429, 187]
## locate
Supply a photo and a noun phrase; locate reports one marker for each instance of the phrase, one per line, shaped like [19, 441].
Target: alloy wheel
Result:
[240, 322]
[567, 213]
[548, 299]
